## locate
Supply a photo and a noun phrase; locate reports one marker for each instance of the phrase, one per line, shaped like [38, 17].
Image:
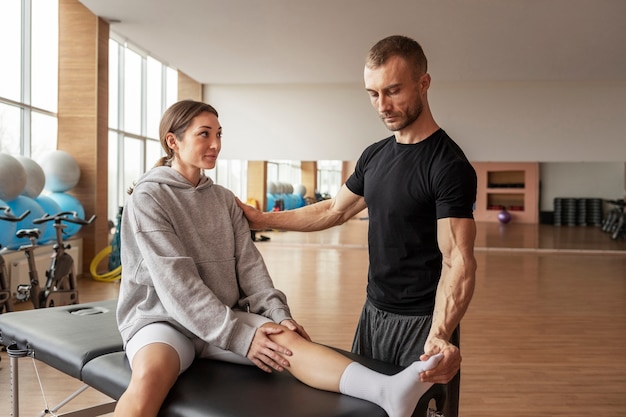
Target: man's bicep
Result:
[456, 234]
[347, 204]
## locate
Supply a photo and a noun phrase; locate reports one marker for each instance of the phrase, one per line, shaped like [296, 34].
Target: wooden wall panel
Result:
[188, 88]
[83, 114]
[507, 184]
[309, 177]
[257, 182]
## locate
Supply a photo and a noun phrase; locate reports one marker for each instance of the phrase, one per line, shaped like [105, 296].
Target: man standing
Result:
[419, 189]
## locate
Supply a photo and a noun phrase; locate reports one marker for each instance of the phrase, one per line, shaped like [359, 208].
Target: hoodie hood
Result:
[169, 176]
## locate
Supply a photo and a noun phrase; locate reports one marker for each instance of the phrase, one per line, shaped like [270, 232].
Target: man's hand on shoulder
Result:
[254, 216]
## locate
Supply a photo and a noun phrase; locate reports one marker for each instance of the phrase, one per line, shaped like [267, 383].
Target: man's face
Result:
[394, 93]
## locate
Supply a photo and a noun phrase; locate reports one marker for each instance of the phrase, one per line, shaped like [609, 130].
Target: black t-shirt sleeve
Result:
[354, 184]
[356, 181]
[456, 190]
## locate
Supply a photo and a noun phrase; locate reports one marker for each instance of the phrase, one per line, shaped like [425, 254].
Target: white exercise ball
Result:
[299, 189]
[61, 170]
[35, 177]
[12, 177]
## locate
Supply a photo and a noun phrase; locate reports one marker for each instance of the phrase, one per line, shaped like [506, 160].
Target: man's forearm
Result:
[305, 219]
[458, 275]
[318, 216]
[454, 293]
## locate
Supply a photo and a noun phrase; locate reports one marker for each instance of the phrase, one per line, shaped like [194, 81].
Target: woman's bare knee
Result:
[287, 338]
[155, 369]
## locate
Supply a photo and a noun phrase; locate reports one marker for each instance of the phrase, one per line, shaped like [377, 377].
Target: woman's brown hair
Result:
[176, 120]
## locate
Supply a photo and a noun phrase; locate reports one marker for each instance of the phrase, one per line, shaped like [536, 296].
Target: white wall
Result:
[492, 121]
[581, 123]
[580, 180]
[536, 121]
[310, 122]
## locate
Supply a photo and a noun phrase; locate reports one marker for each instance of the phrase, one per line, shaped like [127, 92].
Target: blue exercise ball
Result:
[270, 201]
[286, 201]
[292, 201]
[68, 202]
[50, 207]
[7, 228]
[19, 205]
[300, 202]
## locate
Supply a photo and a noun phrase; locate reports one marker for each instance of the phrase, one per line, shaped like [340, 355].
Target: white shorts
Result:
[187, 348]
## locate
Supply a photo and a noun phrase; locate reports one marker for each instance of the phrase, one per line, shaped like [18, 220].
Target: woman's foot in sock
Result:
[404, 389]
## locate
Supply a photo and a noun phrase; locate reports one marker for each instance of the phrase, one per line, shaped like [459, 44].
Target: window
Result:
[231, 174]
[140, 89]
[328, 177]
[28, 77]
[284, 172]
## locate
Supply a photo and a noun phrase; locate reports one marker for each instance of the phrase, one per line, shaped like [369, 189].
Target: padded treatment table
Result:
[64, 337]
[83, 341]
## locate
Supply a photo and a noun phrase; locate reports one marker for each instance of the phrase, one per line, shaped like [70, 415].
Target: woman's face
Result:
[199, 147]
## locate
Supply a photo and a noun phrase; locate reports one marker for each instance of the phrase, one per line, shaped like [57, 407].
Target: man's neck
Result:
[416, 132]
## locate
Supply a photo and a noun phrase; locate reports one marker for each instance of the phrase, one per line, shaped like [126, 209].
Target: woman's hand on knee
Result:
[292, 325]
[265, 353]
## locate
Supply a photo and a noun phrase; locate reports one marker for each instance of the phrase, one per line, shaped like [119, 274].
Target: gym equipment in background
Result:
[60, 287]
[5, 292]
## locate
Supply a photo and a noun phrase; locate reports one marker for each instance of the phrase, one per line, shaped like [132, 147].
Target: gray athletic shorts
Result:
[187, 348]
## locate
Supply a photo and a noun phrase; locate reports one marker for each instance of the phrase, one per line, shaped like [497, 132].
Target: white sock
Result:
[397, 394]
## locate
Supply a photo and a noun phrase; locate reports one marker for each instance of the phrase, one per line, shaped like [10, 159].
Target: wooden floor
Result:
[545, 334]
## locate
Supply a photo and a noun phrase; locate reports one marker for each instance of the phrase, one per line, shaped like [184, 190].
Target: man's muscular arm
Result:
[318, 216]
[454, 293]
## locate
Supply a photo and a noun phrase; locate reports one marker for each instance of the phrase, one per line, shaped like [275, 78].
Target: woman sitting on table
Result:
[195, 285]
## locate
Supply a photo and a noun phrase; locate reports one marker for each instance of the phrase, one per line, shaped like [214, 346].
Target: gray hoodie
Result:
[188, 259]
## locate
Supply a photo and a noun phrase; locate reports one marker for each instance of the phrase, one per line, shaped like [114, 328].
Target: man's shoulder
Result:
[377, 147]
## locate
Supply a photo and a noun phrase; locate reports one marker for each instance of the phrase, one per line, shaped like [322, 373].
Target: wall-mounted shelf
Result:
[510, 185]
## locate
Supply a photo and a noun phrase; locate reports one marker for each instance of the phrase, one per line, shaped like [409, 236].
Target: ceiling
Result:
[325, 41]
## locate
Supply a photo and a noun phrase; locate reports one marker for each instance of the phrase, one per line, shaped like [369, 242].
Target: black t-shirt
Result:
[407, 188]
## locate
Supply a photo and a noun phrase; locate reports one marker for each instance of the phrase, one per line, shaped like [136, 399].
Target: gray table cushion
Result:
[64, 337]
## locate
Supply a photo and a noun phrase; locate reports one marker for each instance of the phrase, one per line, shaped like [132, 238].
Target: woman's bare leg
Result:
[312, 363]
[155, 370]
[326, 369]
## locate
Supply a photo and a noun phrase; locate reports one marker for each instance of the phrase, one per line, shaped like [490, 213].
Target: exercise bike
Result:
[5, 292]
[615, 220]
[60, 288]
